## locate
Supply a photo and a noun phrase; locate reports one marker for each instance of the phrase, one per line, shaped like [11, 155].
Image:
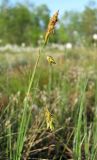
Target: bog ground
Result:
[67, 89]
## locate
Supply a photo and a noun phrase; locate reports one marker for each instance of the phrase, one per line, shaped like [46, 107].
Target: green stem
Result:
[34, 71]
[33, 74]
[50, 78]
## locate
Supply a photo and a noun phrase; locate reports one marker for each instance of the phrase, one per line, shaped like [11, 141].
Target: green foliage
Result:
[43, 14]
[89, 23]
[68, 89]
[21, 23]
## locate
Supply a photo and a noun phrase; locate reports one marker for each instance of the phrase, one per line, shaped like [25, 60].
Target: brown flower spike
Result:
[51, 26]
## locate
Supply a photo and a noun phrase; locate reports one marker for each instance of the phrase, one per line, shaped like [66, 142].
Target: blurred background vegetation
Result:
[68, 89]
[21, 23]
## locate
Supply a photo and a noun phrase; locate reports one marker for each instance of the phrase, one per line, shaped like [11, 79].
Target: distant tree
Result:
[70, 24]
[43, 15]
[62, 34]
[19, 25]
[24, 23]
[14, 24]
[89, 23]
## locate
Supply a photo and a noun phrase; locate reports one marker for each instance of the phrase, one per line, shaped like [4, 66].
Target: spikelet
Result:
[49, 119]
[51, 60]
[51, 26]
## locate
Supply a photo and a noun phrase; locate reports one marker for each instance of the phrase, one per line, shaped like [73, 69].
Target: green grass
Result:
[68, 89]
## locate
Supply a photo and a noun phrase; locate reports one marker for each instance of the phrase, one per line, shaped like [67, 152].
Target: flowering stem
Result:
[33, 74]
[34, 71]
[50, 78]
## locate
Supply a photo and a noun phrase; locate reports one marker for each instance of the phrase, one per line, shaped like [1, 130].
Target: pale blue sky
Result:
[61, 5]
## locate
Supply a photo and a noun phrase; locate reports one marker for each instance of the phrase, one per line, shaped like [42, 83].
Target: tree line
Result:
[23, 24]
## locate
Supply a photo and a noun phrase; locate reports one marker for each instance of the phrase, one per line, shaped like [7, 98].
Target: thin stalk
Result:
[50, 77]
[26, 114]
[77, 139]
[94, 143]
[33, 74]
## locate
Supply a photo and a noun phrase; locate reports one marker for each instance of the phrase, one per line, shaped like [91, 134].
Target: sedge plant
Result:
[26, 115]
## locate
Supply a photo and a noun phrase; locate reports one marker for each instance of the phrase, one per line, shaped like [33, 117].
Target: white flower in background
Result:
[68, 45]
[23, 44]
[95, 36]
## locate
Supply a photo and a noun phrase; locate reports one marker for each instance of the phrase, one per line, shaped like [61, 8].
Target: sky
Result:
[61, 5]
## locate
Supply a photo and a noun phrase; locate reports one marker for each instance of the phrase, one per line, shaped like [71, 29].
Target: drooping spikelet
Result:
[51, 26]
[49, 119]
[51, 60]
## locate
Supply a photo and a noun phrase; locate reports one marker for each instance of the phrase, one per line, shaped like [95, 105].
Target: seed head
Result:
[51, 26]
